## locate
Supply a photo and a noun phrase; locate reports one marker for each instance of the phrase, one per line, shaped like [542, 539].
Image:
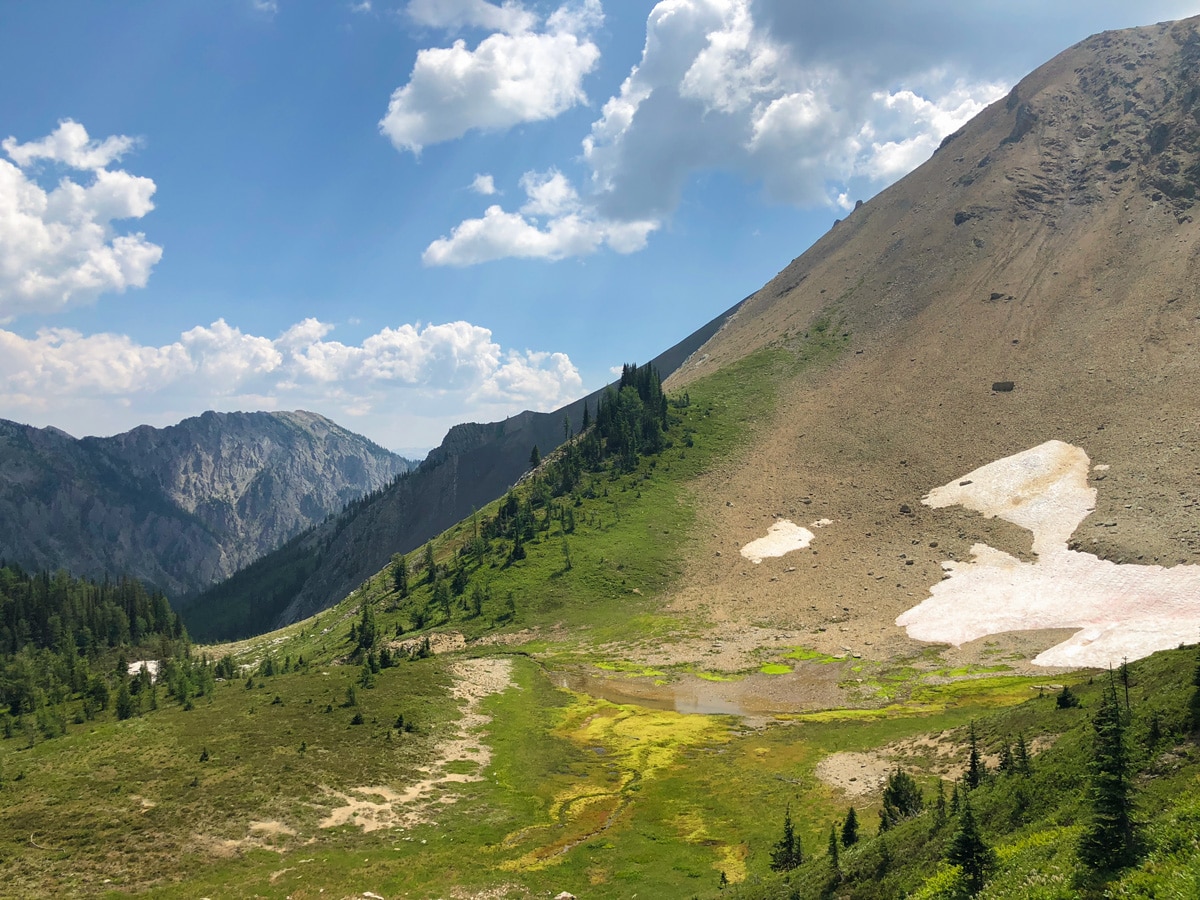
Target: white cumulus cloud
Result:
[59, 247]
[443, 372]
[517, 74]
[716, 90]
[721, 88]
[552, 224]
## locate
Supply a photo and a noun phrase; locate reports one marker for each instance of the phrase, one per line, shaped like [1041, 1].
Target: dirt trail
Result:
[380, 806]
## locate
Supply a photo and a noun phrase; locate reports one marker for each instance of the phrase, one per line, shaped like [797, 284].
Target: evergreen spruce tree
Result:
[1196, 696]
[430, 565]
[125, 707]
[1006, 759]
[367, 632]
[1021, 756]
[968, 851]
[400, 574]
[939, 805]
[1107, 841]
[850, 829]
[833, 851]
[975, 766]
[787, 853]
[901, 799]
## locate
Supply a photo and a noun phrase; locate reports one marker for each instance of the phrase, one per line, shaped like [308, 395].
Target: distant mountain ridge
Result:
[474, 465]
[179, 507]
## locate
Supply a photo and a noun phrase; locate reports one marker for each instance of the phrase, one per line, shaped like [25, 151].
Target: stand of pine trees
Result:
[66, 644]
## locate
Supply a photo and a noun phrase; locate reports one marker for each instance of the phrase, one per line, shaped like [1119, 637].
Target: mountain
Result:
[474, 465]
[179, 507]
[1035, 281]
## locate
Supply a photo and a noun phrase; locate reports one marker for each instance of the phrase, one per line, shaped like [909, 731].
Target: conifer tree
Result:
[901, 799]
[968, 851]
[1021, 756]
[833, 851]
[1196, 695]
[1006, 765]
[850, 829]
[400, 574]
[975, 766]
[787, 853]
[125, 708]
[939, 805]
[1107, 841]
[367, 632]
[430, 564]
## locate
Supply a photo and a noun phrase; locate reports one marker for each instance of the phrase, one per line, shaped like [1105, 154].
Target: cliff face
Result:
[181, 507]
[475, 464]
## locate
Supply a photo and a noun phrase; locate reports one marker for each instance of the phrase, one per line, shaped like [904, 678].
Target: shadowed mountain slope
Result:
[474, 465]
[179, 507]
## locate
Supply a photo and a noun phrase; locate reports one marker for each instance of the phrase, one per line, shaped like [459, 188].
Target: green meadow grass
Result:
[581, 794]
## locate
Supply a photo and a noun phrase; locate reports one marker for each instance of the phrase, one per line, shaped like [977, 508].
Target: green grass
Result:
[601, 799]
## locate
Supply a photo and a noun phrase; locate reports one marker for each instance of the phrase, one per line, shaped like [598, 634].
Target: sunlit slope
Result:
[1050, 244]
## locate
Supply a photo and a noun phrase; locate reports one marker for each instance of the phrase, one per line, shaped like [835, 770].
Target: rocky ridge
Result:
[180, 507]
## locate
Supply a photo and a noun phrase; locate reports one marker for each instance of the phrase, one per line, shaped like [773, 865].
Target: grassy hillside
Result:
[337, 756]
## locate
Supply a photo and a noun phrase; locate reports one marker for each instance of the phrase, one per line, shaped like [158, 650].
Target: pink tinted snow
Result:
[1121, 611]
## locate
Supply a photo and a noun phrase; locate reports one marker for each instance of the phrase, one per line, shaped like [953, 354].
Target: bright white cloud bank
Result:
[518, 74]
[58, 247]
[1120, 610]
[714, 90]
[552, 224]
[392, 378]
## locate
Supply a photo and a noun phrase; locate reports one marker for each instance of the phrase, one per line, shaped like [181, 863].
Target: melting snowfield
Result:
[782, 538]
[1120, 610]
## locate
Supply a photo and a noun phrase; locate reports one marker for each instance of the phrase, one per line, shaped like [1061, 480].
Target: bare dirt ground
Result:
[865, 774]
[382, 806]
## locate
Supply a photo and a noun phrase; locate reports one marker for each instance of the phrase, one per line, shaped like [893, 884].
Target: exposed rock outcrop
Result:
[179, 507]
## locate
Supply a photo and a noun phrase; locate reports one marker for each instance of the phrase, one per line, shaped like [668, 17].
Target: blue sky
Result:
[408, 214]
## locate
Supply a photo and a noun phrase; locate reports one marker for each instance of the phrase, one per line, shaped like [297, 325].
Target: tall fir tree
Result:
[850, 829]
[975, 766]
[1108, 840]
[430, 564]
[400, 574]
[902, 799]
[787, 853]
[1196, 696]
[968, 851]
[1021, 756]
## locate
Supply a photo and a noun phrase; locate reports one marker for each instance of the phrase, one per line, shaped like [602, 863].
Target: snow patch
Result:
[1120, 610]
[150, 664]
[782, 537]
